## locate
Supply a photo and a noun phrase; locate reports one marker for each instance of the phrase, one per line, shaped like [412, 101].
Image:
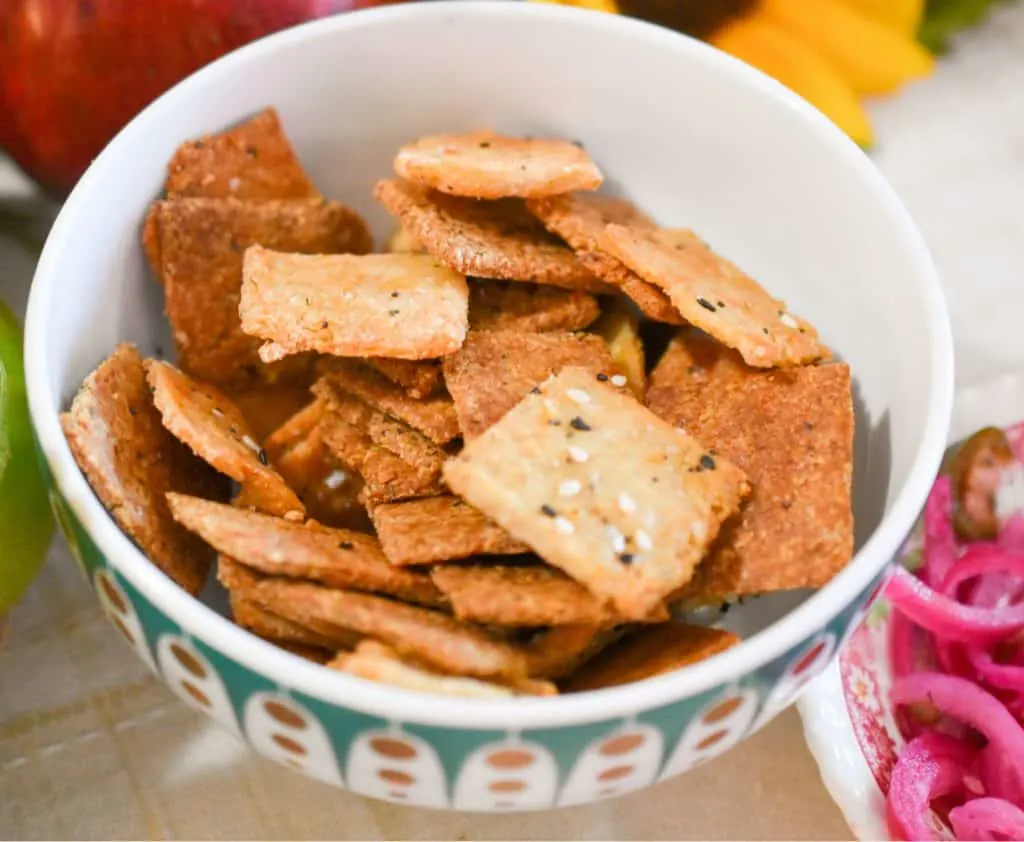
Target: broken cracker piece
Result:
[278, 630]
[486, 239]
[268, 407]
[485, 165]
[403, 306]
[293, 430]
[439, 529]
[601, 488]
[620, 329]
[402, 242]
[791, 432]
[419, 378]
[213, 427]
[716, 296]
[131, 461]
[493, 370]
[503, 305]
[652, 651]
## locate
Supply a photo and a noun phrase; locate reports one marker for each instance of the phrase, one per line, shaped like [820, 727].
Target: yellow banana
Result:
[775, 51]
[903, 16]
[871, 57]
[595, 5]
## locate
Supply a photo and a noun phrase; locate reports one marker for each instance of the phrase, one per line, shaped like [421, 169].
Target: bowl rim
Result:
[520, 713]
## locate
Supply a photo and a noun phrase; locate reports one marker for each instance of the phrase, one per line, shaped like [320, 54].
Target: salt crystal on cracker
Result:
[485, 165]
[504, 305]
[403, 306]
[715, 295]
[651, 498]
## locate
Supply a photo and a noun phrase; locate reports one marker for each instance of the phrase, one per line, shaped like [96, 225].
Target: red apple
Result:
[73, 72]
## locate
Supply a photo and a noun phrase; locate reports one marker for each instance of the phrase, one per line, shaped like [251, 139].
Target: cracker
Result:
[493, 371]
[649, 652]
[580, 219]
[485, 165]
[502, 305]
[560, 650]
[601, 488]
[201, 246]
[486, 239]
[309, 653]
[268, 407]
[715, 295]
[419, 378]
[439, 529]
[376, 662]
[151, 241]
[620, 329]
[523, 595]
[213, 427]
[434, 417]
[791, 432]
[431, 637]
[251, 617]
[339, 558]
[131, 461]
[253, 160]
[402, 242]
[405, 306]
[295, 429]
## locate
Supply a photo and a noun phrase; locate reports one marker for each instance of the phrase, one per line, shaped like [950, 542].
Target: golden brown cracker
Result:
[486, 239]
[649, 652]
[151, 241]
[202, 242]
[559, 651]
[294, 429]
[131, 461]
[485, 165]
[213, 427]
[601, 488]
[580, 219]
[269, 406]
[389, 305]
[791, 432]
[390, 479]
[252, 160]
[402, 242]
[493, 370]
[310, 653]
[620, 329]
[715, 295]
[251, 617]
[339, 558]
[419, 378]
[439, 529]
[502, 305]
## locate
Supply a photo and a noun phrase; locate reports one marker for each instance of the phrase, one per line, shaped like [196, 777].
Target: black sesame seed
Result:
[547, 510]
[485, 145]
[602, 377]
[707, 305]
[725, 607]
[720, 303]
[394, 295]
[626, 558]
[787, 504]
[764, 330]
[578, 423]
[308, 302]
[707, 463]
[554, 422]
[323, 324]
[262, 455]
[345, 545]
[392, 312]
[535, 390]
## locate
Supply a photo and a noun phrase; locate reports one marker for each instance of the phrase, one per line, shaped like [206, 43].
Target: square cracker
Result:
[405, 306]
[201, 244]
[419, 378]
[601, 488]
[580, 220]
[214, 429]
[485, 165]
[791, 431]
[716, 295]
[486, 239]
[649, 652]
[502, 305]
[523, 595]
[131, 461]
[493, 371]
[439, 529]
[253, 160]
[340, 558]
[251, 617]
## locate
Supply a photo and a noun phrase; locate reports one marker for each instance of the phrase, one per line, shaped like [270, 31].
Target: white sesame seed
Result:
[578, 454]
[643, 540]
[564, 525]
[219, 413]
[249, 442]
[618, 380]
[617, 538]
[233, 184]
[698, 531]
[570, 488]
[627, 503]
[335, 478]
[578, 395]
[788, 320]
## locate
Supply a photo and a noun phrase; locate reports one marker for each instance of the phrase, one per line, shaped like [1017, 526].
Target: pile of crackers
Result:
[490, 461]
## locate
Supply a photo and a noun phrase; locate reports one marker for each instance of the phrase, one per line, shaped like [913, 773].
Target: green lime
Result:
[26, 524]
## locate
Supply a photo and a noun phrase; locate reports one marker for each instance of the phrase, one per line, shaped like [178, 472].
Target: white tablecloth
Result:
[92, 747]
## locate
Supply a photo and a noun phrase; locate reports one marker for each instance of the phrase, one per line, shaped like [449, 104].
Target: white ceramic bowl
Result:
[693, 136]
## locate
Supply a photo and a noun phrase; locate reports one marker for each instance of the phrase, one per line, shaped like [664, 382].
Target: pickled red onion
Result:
[940, 543]
[986, 819]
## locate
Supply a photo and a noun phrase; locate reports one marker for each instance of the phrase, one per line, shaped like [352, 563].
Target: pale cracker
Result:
[600, 487]
[485, 239]
[504, 305]
[402, 242]
[620, 329]
[485, 165]
[389, 305]
[213, 427]
[716, 296]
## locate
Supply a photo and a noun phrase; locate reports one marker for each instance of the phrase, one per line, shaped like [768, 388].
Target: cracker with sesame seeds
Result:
[499, 240]
[716, 295]
[524, 595]
[485, 165]
[437, 529]
[252, 160]
[211, 425]
[791, 432]
[650, 652]
[504, 305]
[429, 636]
[376, 662]
[601, 488]
[494, 370]
[269, 626]
[340, 558]
[201, 246]
[387, 305]
[419, 378]
[131, 461]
